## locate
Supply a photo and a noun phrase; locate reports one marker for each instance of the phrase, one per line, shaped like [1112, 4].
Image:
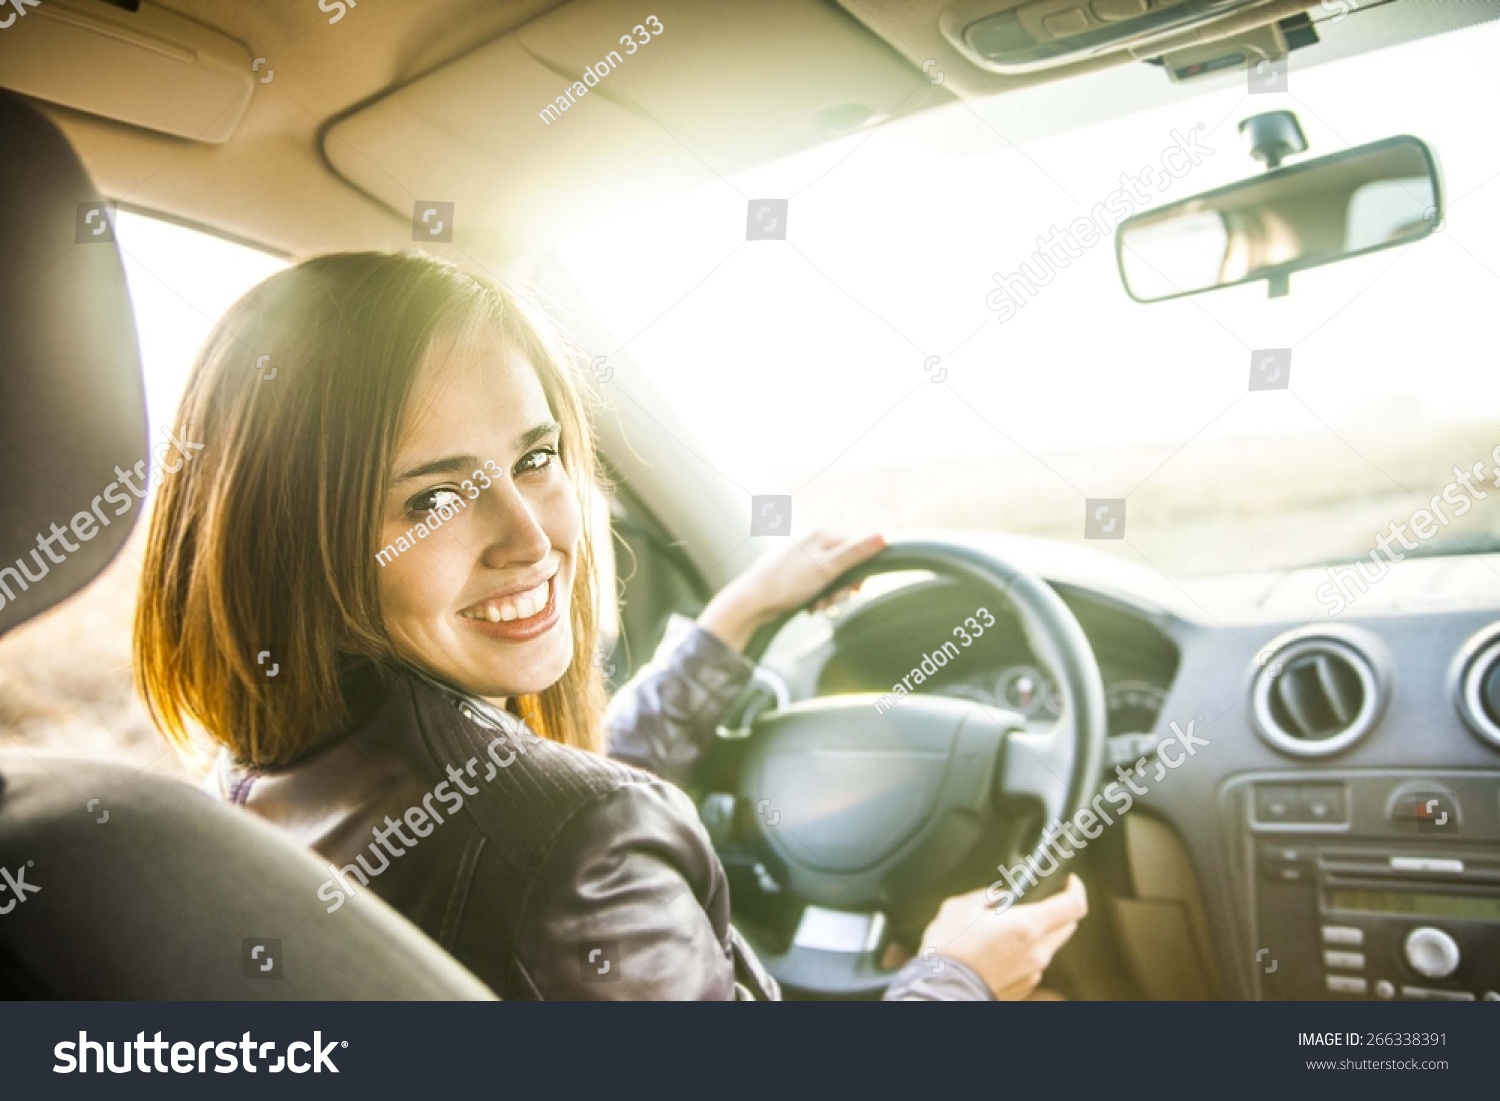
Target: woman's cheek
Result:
[411, 582]
[564, 521]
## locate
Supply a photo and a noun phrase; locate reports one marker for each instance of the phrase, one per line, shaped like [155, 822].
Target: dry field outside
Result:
[1209, 508]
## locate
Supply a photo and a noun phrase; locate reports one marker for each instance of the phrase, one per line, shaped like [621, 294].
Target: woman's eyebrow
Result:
[452, 463]
[439, 466]
[537, 434]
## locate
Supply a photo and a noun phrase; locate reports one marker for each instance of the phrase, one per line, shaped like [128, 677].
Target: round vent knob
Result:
[1477, 684]
[1431, 952]
[1315, 696]
[1489, 693]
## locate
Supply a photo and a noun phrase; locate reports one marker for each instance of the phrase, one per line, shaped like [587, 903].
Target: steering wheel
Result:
[862, 806]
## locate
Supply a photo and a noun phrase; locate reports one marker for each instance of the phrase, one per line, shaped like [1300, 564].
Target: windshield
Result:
[913, 355]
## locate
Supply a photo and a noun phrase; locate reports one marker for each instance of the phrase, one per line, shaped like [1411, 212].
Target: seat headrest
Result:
[72, 406]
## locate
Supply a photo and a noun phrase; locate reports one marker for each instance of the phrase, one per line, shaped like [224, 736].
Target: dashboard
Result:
[886, 639]
[1344, 812]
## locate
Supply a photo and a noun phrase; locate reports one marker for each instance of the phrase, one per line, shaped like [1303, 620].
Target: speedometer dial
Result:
[1133, 706]
[1028, 690]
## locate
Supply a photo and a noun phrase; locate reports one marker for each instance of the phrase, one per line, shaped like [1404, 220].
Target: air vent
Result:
[1315, 696]
[1477, 681]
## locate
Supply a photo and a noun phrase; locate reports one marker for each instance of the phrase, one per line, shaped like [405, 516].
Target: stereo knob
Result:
[1431, 952]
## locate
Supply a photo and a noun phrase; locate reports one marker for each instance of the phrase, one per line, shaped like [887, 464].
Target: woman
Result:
[375, 588]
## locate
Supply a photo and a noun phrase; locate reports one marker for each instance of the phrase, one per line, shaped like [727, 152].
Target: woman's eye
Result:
[539, 459]
[434, 499]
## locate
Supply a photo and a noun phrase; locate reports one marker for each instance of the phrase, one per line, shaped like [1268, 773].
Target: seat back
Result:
[116, 883]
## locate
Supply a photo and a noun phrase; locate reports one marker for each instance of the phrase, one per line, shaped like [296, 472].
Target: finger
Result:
[1069, 904]
[819, 541]
[1055, 940]
[852, 553]
[840, 596]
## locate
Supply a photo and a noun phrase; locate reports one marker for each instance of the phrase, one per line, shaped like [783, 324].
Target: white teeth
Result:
[521, 607]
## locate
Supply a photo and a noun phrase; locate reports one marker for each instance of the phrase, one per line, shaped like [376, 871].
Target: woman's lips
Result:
[520, 629]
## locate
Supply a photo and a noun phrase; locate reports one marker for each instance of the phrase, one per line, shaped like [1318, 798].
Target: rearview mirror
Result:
[1289, 219]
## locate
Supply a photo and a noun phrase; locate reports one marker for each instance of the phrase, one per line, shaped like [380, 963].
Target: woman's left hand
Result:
[784, 581]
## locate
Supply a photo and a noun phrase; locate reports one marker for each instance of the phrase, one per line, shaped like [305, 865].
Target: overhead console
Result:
[1021, 36]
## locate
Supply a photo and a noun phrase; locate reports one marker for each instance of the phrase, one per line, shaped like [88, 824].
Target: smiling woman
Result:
[344, 693]
[269, 541]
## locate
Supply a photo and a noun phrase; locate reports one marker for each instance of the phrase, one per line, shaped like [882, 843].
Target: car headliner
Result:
[277, 181]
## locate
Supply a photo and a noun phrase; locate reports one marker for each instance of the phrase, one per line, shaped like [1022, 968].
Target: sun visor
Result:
[150, 67]
[589, 109]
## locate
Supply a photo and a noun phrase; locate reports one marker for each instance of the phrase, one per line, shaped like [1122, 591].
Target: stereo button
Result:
[1346, 961]
[1431, 952]
[1347, 935]
[1346, 984]
[1276, 804]
[1440, 864]
[1426, 994]
[1323, 803]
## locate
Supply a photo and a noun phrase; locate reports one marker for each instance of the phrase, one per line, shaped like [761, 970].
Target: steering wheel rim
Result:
[997, 753]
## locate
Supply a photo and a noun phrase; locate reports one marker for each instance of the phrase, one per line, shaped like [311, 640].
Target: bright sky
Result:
[793, 356]
[796, 354]
[181, 282]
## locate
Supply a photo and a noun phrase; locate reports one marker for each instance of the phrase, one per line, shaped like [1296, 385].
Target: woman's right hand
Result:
[1008, 950]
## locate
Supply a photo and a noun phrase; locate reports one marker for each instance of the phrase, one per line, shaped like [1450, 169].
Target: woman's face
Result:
[481, 597]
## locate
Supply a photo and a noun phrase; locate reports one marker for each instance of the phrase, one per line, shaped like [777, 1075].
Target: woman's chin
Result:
[535, 674]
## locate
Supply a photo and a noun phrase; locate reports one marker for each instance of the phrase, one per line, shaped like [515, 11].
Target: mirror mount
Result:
[1272, 137]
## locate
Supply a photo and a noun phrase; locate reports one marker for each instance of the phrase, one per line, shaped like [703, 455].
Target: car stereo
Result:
[1372, 885]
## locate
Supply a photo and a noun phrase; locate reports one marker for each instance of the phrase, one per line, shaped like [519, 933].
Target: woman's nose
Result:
[514, 528]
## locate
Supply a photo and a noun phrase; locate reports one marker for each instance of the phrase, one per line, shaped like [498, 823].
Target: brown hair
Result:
[268, 537]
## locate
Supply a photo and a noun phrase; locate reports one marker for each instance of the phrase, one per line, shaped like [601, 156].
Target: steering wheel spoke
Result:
[1039, 764]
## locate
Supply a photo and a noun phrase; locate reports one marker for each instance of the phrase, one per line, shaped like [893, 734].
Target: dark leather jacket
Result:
[549, 872]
